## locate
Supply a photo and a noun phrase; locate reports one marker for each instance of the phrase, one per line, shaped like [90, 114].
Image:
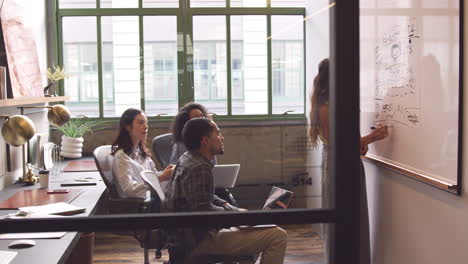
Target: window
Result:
[147, 54]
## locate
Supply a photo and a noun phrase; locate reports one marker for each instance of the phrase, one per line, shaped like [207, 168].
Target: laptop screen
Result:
[225, 176]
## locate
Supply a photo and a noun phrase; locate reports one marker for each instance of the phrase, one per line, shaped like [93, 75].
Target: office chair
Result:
[162, 148]
[153, 183]
[117, 205]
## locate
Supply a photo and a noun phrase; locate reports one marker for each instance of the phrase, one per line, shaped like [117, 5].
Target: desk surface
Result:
[55, 250]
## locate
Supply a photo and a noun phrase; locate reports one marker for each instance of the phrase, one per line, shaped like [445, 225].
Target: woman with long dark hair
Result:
[319, 132]
[131, 156]
[187, 112]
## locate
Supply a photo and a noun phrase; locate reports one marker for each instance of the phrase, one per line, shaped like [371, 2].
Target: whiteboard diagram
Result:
[397, 95]
[410, 81]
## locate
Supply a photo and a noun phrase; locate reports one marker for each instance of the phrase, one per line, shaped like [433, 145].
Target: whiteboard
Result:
[410, 81]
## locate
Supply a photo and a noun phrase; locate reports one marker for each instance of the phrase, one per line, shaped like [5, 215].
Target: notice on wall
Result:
[21, 51]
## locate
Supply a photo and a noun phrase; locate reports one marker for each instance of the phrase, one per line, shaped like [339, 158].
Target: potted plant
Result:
[72, 139]
[54, 76]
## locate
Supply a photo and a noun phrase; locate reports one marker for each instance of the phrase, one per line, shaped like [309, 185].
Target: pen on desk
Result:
[77, 184]
[373, 127]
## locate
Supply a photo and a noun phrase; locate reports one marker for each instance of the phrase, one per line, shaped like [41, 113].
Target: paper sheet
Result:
[32, 235]
[7, 256]
[55, 208]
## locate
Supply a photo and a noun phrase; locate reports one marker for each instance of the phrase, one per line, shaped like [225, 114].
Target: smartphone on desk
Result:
[58, 191]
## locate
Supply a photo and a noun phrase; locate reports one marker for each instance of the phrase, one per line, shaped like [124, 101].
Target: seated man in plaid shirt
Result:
[191, 189]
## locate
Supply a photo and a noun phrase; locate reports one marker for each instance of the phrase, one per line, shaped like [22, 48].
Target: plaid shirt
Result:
[191, 189]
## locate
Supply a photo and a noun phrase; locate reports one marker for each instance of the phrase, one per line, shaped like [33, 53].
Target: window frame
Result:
[184, 59]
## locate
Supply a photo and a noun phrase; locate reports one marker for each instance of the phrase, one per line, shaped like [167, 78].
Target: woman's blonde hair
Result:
[319, 98]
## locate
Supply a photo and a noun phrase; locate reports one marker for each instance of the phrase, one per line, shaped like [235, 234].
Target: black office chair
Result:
[152, 181]
[162, 148]
[116, 205]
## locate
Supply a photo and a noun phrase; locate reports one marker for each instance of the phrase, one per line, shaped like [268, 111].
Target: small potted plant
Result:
[54, 76]
[72, 139]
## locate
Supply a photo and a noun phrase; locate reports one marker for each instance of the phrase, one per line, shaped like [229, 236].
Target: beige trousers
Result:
[270, 241]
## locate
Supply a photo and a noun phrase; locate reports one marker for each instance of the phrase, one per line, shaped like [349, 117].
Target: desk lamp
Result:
[58, 115]
[17, 130]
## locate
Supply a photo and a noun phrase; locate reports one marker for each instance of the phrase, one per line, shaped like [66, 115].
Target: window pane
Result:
[119, 3]
[287, 64]
[367, 3]
[80, 63]
[289, 3]
[208, 3]
[121, 64]
[439, 3]
[161, 3]
[395, 4]
[249, 65]
[248, 3]
[77, 4]
[161, 86]
[209, 62]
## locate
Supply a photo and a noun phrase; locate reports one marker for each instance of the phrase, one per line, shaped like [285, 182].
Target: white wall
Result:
[412, 222]
[317, 48]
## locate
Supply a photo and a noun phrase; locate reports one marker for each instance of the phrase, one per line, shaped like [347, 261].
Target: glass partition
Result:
[80, 61]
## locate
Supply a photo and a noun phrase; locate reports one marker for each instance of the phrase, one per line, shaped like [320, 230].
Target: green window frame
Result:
[184, 14]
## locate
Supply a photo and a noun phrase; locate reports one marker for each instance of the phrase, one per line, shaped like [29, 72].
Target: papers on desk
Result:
[84, 181]
[7, 256]
[32, 235]
[53, 209]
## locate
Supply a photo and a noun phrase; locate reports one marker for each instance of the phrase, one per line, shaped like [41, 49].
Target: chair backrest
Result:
[162, 148]
[103, 158]
[152, 181]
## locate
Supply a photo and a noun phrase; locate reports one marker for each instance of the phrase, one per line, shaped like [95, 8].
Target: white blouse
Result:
[126, 170]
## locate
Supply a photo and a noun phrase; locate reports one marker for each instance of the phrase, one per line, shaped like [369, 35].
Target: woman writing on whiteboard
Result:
[319, 131]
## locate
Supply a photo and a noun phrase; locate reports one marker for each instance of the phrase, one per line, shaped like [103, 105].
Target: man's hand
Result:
[230, 207]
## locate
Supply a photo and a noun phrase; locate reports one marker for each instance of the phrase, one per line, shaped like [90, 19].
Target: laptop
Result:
[225, 175]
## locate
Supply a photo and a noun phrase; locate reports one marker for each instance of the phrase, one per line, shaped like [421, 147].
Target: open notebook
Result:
[152, 181]
[278, 199]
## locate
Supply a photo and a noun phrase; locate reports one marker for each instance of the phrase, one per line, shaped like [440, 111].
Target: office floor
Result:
[304, 247]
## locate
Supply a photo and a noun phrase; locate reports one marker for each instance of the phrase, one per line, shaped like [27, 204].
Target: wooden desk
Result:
[55, 250]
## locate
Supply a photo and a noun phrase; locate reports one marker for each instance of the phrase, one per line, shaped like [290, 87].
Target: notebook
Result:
[225, 176]
[54, 209]
[153, 182]
[278, 199]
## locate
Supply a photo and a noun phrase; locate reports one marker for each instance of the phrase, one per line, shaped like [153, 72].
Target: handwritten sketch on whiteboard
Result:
[397, 96]
[410, 82]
